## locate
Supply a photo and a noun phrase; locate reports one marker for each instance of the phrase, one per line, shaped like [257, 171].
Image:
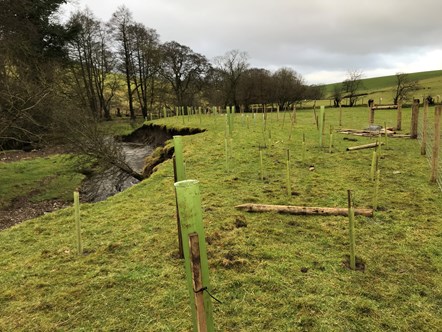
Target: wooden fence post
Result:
[371, 115]
[414, 120]
[195, 254]
[436, 144]
[424, 130]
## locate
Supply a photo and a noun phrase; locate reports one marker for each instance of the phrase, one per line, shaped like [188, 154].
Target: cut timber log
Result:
[384, 107]
[365, 146]
[303, 210]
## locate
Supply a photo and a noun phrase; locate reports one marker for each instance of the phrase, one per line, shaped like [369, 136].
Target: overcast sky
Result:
[320, 39]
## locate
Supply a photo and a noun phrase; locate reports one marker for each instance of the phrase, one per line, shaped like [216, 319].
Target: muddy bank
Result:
[157, 135]
[143, 149]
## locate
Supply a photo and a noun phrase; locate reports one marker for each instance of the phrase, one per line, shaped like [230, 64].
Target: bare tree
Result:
[184, 69]
[404, 86]
[231, 66]
[288, 87]
[119, 26]
[92, 63]
[352, 85]
[146, 64]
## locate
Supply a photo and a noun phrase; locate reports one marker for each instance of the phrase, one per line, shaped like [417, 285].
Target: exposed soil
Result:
[16, 155]
[21, 208]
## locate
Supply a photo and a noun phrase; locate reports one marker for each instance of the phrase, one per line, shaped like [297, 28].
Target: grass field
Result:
[279, 273]
[383, 87]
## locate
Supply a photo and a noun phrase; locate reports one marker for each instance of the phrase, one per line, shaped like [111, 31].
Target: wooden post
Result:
[399, 116]
[77, 221]
[376, 190]
[424, 130]
[261, 166]
[371, 116]
[321, 124]
[386, 136]
[351, 218]
[195, 266]
[414, 120]
[303, 148]
[197, 269]
[436, 144]
[288, 184]
[330, 140]
[226, 149]
[373, 165]
[340, 115]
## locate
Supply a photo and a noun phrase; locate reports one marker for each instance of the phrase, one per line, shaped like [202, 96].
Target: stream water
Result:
[100, 186]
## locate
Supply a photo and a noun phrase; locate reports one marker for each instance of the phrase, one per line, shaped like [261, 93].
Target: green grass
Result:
[383, 87]
[39, 179]
[130, 280]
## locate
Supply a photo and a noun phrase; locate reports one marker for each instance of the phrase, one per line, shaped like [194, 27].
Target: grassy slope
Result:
[382, 87]
[130, 280]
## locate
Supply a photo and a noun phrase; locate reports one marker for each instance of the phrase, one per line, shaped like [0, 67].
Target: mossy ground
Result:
[272, 272]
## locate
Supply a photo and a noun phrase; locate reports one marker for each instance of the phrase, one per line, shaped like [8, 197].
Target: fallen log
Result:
[365, 146]
[384, 107]
[302, 210]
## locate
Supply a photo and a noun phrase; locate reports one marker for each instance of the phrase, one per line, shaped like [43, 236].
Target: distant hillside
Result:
[382, 87]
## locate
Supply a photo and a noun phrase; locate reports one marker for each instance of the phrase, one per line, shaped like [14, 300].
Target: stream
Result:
[100, 186]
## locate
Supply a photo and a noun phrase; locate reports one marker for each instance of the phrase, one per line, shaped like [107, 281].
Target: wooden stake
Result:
[77, 221]
[386, 136]
[303, 148]
[178, 222]
[373, 165]
[365, 146]
[399, 116]
[340, 115]
[261, 166]
[424, 130]
[436, 144]
[351, 228]
[195, 266]
[330, 147]
[376, 190]
[288, 184]
[321, 125]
